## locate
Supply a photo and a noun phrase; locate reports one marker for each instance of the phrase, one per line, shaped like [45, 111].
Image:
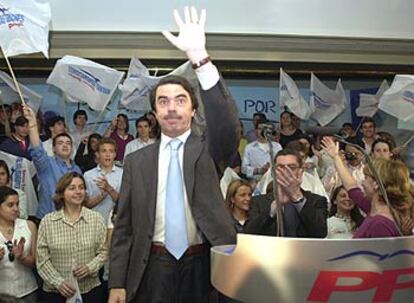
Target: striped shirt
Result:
[61, 245]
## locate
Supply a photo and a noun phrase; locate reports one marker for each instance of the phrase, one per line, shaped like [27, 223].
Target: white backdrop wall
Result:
[340, 18]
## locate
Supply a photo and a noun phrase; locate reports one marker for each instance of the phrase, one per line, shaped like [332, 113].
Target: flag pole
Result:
[13, 76]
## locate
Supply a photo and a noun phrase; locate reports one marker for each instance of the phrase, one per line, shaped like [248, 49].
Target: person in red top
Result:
[118, 131]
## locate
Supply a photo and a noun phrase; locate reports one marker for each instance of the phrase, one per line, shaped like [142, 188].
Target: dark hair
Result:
[106, 141]
[79, 112]
[6, 191]
[260, 115]
[348, 124]
[183, 82]
[62, 185]
[368, 120]
[4, 165]
[356, 216]
[290, 152]
[93, 136]
[387, 136]
[61, 135]
[125, 117]
[280, 117]
[142, 119]
[51, 122]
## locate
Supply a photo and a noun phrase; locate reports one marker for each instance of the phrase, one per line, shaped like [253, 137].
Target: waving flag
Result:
[24, 26]
[138, 85]
[368, 104]
[85, 81]
[326, 103]
[8, 93]
[398, 100]
[290, 97]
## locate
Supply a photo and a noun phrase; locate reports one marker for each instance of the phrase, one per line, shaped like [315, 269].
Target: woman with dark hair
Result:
[155, 131]
[118, 131]
[382, 148]
[71, 245]
[87, 161]
[17, 250]
[5, 181]
[238, 197]
[288, 130]
[344, 217]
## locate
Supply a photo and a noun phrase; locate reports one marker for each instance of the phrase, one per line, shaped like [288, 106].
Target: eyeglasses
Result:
[291, 166]
[9, 246]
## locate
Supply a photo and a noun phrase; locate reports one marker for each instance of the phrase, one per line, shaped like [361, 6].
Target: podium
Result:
[272, 269]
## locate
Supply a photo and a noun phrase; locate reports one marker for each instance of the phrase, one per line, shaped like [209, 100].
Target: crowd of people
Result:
[97, 189]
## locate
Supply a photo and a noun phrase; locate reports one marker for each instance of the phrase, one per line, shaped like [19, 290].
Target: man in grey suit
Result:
[150, 260]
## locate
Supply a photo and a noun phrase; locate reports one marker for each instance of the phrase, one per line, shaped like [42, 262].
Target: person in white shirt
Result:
[143, 136]
[80, 131]
[256, 158]
[104, 181]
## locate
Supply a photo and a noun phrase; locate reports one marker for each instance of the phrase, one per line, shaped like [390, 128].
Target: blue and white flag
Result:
[85, 81]
[138, 85]
[24, 26]
[368, 104]
[9, 94]
[326, 104]
[290, 97]
[398, 100]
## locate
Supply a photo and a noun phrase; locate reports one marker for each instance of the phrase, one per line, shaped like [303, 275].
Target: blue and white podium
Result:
[289, 270]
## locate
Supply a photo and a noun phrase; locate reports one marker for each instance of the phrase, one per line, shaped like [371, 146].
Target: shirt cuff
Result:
[300, 205]
[207, 75]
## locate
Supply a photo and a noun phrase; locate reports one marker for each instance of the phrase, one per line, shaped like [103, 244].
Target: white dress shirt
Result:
[135, 145]
[256, 155]
[193, 234]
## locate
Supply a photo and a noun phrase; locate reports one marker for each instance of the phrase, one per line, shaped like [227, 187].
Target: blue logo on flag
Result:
[12, 20]
[90, 80]
[408, 96]
[319, 102]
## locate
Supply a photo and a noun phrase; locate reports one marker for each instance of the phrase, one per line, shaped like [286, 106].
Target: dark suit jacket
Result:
[134, 226]
[312, 217]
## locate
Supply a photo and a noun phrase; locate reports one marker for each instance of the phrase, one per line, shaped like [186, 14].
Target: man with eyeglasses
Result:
[304, 213]
[49, 169]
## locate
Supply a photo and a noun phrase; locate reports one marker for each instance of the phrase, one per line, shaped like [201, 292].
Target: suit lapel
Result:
[192, 151]
[150, 170]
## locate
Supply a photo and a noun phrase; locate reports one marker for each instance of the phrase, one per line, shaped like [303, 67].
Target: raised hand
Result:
[331, 147]
[191, 38]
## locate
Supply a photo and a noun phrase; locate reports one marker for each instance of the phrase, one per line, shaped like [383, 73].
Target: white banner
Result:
[398, 100]
[290, 97]
[21, 173]
[368, 104]
[138, 85]
[326, 104]
[85, 81]
[24, 26]
[9, 94]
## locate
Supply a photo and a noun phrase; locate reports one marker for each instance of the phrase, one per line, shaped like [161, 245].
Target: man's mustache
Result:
[172, 115]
